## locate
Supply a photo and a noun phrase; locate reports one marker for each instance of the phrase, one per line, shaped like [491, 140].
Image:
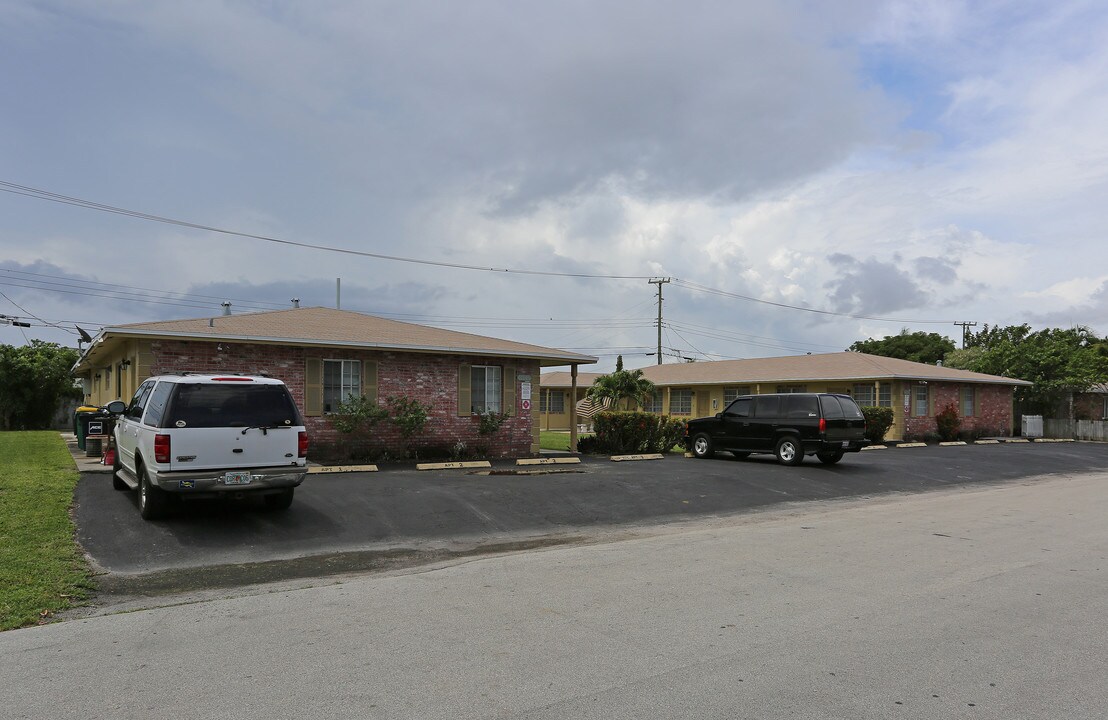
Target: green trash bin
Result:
[87, 416]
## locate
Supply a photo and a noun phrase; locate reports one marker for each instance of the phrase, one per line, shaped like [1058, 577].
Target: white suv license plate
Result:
[237, 478]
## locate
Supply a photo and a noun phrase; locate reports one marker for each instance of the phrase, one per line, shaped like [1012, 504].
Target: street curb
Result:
[649, 456]
[549, 461]
[327, 469]
[454, 465]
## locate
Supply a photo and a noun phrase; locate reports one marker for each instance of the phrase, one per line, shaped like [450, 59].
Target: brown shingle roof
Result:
[328, 326]
[804, 368]
[561, 379]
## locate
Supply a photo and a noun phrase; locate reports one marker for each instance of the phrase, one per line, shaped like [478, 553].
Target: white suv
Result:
[194, 435]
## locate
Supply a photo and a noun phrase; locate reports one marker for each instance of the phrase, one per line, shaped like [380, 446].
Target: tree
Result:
[627, 386]
[1058, 361]
[922, 347]
[33, 379]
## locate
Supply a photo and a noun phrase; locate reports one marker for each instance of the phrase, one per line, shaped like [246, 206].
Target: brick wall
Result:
[992, 412]
[431, 379]
[1088, 406]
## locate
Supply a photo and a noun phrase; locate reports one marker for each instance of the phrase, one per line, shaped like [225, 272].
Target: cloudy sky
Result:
[808, 174]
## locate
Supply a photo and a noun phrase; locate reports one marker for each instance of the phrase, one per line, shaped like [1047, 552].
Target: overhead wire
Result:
[184, 299]
[13, 302]
[694, 347]
[47, 195]
[132, 288]
[723, 293]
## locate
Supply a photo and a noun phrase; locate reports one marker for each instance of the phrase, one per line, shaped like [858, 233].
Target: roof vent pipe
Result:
[296, 302]
[939, 363]
[226, 307]
[211, 322]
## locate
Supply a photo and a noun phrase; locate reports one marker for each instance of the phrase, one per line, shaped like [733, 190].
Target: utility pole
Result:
[965, 331]
[659, 282]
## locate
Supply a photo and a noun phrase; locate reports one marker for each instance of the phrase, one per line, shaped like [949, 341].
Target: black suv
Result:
[789, 426]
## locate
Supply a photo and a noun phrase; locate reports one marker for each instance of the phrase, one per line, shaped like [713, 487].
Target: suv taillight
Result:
[161, 448]
[823, 425]
[302, 444]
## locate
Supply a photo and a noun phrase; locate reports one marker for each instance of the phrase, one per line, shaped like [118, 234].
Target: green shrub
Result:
[948, 423]
[489, 421]
[587, 444]
[878, 422]
[357, 414]
[408, 415]
[632, 432]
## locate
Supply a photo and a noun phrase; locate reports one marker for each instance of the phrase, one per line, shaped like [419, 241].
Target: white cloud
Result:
[740, 147]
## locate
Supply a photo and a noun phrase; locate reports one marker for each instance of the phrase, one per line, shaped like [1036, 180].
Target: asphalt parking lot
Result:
[360, 521]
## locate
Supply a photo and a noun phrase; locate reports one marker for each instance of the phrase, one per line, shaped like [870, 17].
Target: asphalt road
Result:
[983, 601]
[359, 521]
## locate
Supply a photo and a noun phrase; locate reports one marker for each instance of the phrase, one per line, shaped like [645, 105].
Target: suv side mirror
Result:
[116, 407]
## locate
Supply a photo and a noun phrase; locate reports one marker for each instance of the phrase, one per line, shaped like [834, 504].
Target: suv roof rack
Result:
[214, 372]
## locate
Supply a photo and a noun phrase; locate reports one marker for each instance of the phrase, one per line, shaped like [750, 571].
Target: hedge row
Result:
[632, 432]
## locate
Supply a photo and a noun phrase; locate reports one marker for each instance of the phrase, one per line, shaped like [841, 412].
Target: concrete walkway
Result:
[84, 464]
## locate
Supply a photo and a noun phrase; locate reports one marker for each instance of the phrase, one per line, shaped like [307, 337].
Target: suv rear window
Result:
[767, 406]
[802, 406]
[831, 408]
[208, 405]
[850, 408]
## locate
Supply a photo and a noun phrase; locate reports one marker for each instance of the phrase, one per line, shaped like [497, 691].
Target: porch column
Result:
[572, 408]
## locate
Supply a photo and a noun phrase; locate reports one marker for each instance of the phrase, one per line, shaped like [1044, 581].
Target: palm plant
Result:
[623, 386]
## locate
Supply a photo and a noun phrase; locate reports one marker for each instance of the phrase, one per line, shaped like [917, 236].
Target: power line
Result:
[743, 337]
[40, 194]
[185, 299]
[131, 288]
[723, 293]
[13, 302]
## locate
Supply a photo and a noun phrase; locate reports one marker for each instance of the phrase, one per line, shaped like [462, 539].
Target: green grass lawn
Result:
[41, 569]
[556, 439]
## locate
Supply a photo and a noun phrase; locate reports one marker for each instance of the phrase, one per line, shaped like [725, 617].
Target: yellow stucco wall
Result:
[117, 376]
[708, 400]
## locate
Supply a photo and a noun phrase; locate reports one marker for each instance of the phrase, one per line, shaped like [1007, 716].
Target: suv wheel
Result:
[831, 457]
[789, 451]
[153, 502]
[702, 446]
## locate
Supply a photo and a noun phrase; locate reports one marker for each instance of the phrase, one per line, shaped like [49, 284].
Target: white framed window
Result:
[792, 388]
[341, 379]
[863, 394]
[729, 394]
[680, 401]
[885, 395]
[920, 406]
[655, 403]
[968, 406]
[552, 401]
[485, 388]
